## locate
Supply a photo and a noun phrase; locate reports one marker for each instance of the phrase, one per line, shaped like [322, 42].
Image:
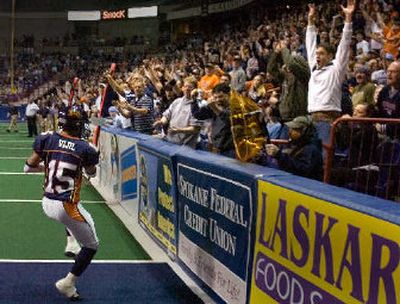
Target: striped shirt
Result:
[143, 122]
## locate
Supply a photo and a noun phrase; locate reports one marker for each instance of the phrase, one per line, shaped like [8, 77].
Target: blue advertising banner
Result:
[215, 199]
[129, 174]
[157, 203]
[4, 115]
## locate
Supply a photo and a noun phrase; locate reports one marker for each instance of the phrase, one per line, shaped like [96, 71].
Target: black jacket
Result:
[302, 158]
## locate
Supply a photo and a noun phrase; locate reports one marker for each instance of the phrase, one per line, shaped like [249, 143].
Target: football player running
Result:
[66, 156]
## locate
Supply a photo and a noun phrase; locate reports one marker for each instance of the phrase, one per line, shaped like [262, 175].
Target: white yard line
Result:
[17, 148]
[20, 173]
[11, 157]
[16, 141]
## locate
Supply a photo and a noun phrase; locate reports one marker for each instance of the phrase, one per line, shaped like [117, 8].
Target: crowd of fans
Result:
[303, 68]
[68, 40]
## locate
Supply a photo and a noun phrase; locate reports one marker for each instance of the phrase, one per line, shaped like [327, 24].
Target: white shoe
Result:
[72, 249]
[67, 289]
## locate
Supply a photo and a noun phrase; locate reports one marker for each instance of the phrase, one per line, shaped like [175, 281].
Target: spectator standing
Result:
[238, 76]
[364, 91]
[391, 37]
[140, 108]
[219, 112]
[209, 80]
[293, 73]
[362, 45]
[13, 112]
[389, 99]
[30, 114]
[327, 74]
[183, 128]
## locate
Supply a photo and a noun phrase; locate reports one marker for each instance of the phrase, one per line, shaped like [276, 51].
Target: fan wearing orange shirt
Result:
[209, 80]
[391, 39]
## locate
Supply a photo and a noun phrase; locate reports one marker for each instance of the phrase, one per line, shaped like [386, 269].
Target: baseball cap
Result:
[300, 122]
[112, 109]
[389, 56]
[362, 70]
[237, 58]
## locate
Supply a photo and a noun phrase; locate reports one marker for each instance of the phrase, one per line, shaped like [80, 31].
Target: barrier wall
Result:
[320, 244]
[158, 212]
[4, 112]
[250, 234]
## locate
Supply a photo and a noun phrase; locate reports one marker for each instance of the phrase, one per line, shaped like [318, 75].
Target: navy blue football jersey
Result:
[64, 158]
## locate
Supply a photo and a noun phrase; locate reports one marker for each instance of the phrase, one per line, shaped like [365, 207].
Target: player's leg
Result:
[84, 231]
[14, 119]
[72, 248]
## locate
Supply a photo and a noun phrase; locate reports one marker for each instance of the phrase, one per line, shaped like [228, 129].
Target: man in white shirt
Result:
[362, 45]
[327, 72]
[30, 113]
[183, 127]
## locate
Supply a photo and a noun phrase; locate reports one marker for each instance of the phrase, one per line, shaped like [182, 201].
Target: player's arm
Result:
[33, 165]
[90, 160]
[90, 171]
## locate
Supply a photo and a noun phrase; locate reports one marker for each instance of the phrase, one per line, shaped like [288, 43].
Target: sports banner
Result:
[157, 203]
[215, 220]
[309, 250]
[108, 178]
[129, 178]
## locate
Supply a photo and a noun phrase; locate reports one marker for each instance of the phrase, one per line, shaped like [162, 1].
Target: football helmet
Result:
[72, 121]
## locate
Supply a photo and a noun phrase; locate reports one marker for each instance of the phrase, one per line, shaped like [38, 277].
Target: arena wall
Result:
[250, 234]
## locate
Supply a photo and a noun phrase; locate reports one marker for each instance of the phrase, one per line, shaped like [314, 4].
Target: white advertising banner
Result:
[107, 181]
[83, 15]
[141, 12]
[215, 274]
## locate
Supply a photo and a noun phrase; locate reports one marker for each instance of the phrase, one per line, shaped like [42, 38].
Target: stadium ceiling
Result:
[64, 5]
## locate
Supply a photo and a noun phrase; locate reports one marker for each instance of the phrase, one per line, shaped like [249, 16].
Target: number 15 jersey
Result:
[64, 158]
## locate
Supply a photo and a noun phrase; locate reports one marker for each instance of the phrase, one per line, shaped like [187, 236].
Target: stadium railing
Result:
[364, 155]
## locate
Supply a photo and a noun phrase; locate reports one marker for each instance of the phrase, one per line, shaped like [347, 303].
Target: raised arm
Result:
[348, 10]
[311, 37]
[116, 87]
[343, 50]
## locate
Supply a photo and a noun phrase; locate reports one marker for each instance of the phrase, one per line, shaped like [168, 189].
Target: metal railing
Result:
[363, 159]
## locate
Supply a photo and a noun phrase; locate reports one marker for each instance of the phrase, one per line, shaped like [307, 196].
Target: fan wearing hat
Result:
[116, 117]
[364, 91]
[303, 156]
[209, 80]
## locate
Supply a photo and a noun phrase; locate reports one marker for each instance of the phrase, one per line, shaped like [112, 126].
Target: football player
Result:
[64, 156]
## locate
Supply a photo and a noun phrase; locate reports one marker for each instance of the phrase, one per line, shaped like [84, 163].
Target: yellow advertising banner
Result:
[308, 250]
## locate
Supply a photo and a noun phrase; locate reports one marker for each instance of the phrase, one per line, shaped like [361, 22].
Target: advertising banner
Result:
[129, 178]
[308, 250]
[157, 203]
[108, 175]
[215, 214]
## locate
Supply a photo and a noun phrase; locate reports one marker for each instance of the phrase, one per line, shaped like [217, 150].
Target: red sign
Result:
[112, 15]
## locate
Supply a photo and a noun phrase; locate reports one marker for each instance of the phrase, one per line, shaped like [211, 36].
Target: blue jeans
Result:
[323, 131]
